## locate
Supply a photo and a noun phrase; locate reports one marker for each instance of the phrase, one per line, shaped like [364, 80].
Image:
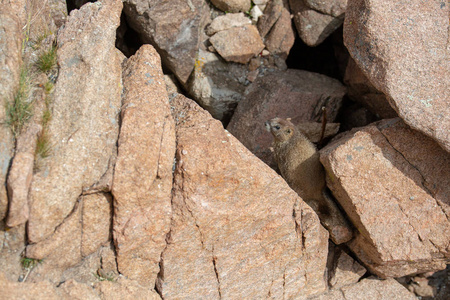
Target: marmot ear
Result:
[288, 119]
[288, 130]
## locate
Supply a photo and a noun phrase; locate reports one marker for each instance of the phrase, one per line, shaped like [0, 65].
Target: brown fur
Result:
[299, 164]
[297, 159]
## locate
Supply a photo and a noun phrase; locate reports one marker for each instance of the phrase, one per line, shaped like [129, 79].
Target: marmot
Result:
[299, 164]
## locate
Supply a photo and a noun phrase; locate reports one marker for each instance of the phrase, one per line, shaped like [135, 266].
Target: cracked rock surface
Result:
[143, 174]
[398, 202]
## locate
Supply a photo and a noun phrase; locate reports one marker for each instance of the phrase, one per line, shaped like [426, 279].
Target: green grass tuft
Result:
[21, 109]
[29, 263]
[47, 60]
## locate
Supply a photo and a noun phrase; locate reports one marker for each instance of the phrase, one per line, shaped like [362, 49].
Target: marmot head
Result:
[282, 130]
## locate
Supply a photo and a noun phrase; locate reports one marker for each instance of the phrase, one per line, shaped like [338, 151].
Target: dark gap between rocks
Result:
[127, 39]
[320, 59]
[76, 4]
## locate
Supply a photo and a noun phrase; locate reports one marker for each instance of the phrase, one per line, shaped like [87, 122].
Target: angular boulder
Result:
[173, 27]
[294, 94]
[142, 181]
[84, 126]
[237, 230]
[393, 183]
[232, 5]
[402, 48]
[246, 43]
[313, 26]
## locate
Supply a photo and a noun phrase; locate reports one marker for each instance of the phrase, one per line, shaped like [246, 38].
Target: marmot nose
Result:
[267, 124]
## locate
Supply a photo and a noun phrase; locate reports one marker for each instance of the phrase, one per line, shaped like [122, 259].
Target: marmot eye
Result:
[277, 127]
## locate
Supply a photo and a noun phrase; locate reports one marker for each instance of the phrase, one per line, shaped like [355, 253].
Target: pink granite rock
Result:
[344, 270]
[393, 184]
[143, 173]
[10, 60]
[402, 48]
[312, 26]
[84, 126]
[232, 5]
[237, 231]
[294, 94]
[371, 288]
[246, 43]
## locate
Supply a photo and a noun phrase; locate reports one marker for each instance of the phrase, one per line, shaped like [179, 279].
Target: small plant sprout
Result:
[47, 60]
[29, 264]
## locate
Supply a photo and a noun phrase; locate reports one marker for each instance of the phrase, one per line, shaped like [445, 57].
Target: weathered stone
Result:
[18, 184]
[246, 43]
[362, 91]
[143, 179]
[173, 27]
[294, 94]
[61, 250]
[271, 15]
[371, 288]
[333, 8]
[232, 5]
[227, 21]
[58, 11]
[23, 164]
[224, 243]
[402, 48]
[125, 289]
[281, 37]
[96, 218]
[313, 27]
[72, 289]
[10, 61]
[12, 245]
[397, 200]
[217, 85]
[345, 270]
[19, 290]
[84, 126]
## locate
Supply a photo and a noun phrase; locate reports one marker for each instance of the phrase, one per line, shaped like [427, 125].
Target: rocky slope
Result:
[119, 180]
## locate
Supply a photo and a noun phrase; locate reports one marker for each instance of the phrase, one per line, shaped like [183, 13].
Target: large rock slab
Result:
[84, 126]
[294, 94]
[402, 47]
[313, 26]
[10, 61]
[393, 183]
[143, 173]
[238, 231]
[173, 27]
